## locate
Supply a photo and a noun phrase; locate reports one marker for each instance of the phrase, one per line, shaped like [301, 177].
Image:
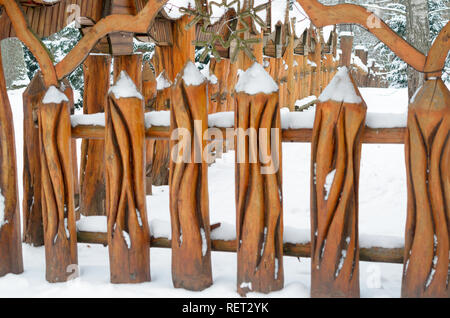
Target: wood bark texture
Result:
[33, 231]
[427, 147]
[335, 160]
[58, 207]
[11, 260]
[92, 168]
[128, 230]
[189, 201]
[259, 220]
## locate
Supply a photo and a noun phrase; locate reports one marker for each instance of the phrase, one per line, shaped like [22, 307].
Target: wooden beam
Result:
[370, 135]
[372, 254]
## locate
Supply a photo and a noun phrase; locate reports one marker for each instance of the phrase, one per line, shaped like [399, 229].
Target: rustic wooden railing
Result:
[336, 145]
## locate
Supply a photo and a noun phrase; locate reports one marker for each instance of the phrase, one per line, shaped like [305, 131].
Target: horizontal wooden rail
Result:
[370, 136]
[373, 254]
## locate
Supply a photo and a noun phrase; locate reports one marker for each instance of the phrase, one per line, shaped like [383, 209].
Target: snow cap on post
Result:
[192, 76]
[54, 96]
[256, 80]
[341, 89]
[125, 87]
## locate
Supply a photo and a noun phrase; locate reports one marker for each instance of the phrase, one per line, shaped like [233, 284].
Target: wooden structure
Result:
[189, 199]
[336, 141]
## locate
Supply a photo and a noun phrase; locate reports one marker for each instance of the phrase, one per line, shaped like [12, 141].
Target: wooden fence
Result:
[336, 138]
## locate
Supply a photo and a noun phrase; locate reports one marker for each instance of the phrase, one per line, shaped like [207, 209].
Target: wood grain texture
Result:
[427, 149]
[259, 219]
[33, 231]
[188, 180]
[10, 242]
[128, 232]
[335, 160]
[58, 209]
[96, 70]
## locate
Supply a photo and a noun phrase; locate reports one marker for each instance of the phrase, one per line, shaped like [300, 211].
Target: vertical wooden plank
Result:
[58, 208]
[92, 176]
[189, 201]
[128, 230]
[132, 64]
[33, 232]
[427, 148]
[335, 159]
[149, 92]
[10, 243]
[259, 219]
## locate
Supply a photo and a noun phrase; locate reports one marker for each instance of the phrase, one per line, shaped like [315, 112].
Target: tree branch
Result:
[322, 15]
[34, 44]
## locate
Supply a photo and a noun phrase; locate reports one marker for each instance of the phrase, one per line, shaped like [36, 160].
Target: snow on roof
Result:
[357, 61]
[346, 33]
[162, 81]
[54, 96]
[192, 76]
[360, 47]
[341, 89]
[256, 80]
[172, 7]
[125, 87]
[326, 30]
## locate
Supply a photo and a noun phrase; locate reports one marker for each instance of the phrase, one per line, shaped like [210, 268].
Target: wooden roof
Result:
[46, 20]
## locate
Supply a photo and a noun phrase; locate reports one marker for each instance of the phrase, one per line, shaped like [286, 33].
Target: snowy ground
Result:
[382, 220]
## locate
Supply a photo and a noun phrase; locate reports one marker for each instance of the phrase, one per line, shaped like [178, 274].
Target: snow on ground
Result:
[382, 207]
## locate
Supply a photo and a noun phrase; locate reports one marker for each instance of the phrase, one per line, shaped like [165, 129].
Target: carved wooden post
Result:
[427, 147]
[58, 208]
[128, 232]
[149, 93]
[335, 158]
[10, 242]
[33, 231]
[158, 162]
[132, 64]
[92, 169]
[259, 223]
[189, 205]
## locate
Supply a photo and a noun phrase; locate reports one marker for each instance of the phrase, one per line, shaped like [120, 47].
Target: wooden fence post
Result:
[259, 220]
[427, 148]
[33, 231]
[189, 202]
[10, 243]
[335, 158]
[149, 92]
[128, 230]
[92, 168]
[58, 206]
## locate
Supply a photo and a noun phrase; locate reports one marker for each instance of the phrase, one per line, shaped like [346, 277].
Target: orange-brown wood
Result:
[149, 93]
[148, 87]
[335, 159]
[372, 254]
[33, 232]
[58, 207]
[189, 201]
[128, 230]
[92, 169]
[259, 220]
[10, 242]
[427, 149]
